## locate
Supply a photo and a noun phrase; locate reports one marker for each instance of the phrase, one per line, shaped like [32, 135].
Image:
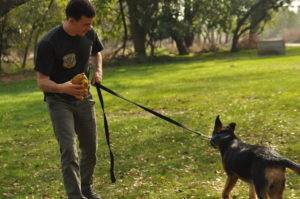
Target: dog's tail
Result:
[290, 164]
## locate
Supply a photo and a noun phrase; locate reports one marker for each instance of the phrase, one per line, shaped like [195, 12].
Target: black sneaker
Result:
[90, 194]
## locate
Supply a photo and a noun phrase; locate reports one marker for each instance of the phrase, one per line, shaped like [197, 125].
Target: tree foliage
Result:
[250, 13]
[139, 25]
[285, 22]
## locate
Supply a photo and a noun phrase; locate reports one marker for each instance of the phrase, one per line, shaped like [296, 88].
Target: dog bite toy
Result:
[82, 80]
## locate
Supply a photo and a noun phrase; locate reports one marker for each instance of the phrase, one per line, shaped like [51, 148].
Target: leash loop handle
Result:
[112, 159]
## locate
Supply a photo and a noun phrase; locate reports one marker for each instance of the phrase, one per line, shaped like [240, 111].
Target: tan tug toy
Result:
[82, 80]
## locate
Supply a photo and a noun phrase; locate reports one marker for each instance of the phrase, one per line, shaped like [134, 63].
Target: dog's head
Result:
[221, 133]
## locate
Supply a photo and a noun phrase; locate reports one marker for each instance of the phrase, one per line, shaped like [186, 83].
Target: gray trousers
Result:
[71, 118]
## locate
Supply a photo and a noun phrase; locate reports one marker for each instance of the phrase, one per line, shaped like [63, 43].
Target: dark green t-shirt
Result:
[61, 56]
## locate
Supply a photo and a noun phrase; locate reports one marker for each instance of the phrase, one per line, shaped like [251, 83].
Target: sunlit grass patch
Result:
[155, 159]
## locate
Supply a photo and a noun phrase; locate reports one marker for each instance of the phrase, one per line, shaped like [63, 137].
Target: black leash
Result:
[99, 87]
[151, 111]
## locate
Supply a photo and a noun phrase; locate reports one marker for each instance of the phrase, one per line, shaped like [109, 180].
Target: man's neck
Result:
[68, 29]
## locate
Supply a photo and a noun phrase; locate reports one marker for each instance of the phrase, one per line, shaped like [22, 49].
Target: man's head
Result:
[80, 14]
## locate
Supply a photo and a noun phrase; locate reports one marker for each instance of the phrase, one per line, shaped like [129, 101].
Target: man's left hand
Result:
[97, 78]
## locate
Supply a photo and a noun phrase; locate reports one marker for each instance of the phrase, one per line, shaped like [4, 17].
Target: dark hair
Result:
[79, 8]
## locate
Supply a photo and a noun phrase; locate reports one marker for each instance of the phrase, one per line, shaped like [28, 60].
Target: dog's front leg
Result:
[230, 183]
[252, 194]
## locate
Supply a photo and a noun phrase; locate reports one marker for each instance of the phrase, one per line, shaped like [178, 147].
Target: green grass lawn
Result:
[154, 159]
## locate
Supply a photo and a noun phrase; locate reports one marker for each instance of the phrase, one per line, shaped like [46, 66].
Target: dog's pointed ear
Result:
[232, 125]
[218, 123]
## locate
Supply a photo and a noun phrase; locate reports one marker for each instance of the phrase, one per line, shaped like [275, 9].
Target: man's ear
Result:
[218, 123]
[232, 125]
[71, 20]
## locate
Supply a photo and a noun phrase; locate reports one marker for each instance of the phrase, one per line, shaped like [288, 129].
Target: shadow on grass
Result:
[205, 57]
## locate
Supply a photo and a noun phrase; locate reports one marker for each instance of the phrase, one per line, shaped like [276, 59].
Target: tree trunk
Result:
[240, 22]
[2, 30]
[38, 32]
[137, 31]
[189, 40]
[227, 38]
[152, 46]
[182, 49]
[235, 40]
[125, 37]
[27, 47]
[2, 24]
[220, 37]
[199, 39]
[213, 39]
[252, 40]
[188, 18]
[205, 38]
[34, 27]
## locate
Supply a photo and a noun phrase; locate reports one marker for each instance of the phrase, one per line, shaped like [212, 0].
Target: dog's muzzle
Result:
[215, 138]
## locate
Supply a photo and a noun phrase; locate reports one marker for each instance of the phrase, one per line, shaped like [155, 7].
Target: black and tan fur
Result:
[261, 167]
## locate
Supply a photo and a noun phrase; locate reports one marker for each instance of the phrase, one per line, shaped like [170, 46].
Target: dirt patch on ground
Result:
[16, 77]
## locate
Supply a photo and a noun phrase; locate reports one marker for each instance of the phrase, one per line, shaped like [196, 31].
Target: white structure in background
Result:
[274, 47]
[295, 5]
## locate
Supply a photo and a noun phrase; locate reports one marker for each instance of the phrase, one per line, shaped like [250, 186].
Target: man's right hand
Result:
[47, 85]
[75, 90]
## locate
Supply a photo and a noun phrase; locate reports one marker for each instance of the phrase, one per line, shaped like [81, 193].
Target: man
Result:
[61, 54]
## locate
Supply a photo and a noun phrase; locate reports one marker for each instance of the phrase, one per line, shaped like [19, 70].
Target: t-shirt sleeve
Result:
[97, 45]
[44, 58]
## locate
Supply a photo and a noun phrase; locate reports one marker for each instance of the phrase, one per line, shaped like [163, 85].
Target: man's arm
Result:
[97, 63]
[47, 85]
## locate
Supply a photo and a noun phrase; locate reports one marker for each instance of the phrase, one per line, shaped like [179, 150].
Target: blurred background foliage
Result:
[134, 28]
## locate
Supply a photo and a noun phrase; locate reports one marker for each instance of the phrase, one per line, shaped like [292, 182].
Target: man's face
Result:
[82, 26]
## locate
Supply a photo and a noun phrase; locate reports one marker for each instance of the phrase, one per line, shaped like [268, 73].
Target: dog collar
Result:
[222, 134]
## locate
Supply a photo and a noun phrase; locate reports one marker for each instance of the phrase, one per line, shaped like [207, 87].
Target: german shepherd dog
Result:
[261, 167]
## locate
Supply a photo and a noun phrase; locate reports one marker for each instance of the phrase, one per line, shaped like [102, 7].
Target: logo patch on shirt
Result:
[69, 60]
